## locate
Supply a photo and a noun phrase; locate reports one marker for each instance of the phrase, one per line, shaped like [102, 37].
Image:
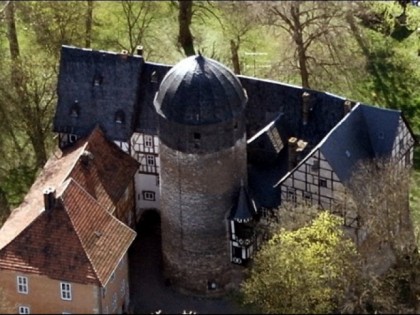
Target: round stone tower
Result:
[203, 161]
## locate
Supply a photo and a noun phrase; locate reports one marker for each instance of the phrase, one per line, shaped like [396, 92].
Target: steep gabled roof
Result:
[103, 169]
[54, 173]
[367, 132]
[105, 177]
[97, 87]
[244, 210]
[77, 240]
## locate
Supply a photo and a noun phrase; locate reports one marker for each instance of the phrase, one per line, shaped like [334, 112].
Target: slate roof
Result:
[85, 187]
[200, 91]
[367, 132]
[82, 104]
[264, 147]
[244, 210]
[146, 117]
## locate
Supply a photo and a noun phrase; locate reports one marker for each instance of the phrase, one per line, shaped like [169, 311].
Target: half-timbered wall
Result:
[403, 147]
[315, 183]
[125, 146]
[242, 241]
[145, 149]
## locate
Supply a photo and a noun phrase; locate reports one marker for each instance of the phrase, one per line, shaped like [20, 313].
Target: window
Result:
[148, 141]
[72, 138]
[103, 292]
[119, 117]
[291, 195]
[149, 195]
[65, 288]
[307, 196]
[97, 81]
[24, 310]
[75, 110]
[150, 160]
[322, 183]
[154, 77]
[197, 136]
[22, 285]
[401, 144]
[315, 166]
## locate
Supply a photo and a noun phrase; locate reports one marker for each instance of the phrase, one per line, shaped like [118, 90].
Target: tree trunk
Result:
[185, 38]
[234, 48]
[11, 31]
[89, 22]
[19, 84]
[298, 38]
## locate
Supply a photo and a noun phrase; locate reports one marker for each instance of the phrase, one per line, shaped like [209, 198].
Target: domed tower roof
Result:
[200, 91]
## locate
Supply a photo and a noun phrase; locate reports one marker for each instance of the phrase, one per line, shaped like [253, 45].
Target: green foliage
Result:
[302, 271]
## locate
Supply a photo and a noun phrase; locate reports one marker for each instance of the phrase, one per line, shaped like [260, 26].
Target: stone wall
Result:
[197, 194]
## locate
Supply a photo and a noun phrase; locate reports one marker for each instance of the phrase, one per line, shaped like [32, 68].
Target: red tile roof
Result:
[79, 240]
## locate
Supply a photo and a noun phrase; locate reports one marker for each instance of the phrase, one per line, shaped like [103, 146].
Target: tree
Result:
[185, 38]
[238, 20]
[308, 24]
[393, 77]
[302, 271]
[385, 238]
[138, 17]
[89, 23]
[56, 23]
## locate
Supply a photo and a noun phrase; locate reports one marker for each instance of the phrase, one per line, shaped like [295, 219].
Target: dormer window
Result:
[119, 117]
[97, 80]
[75, 109]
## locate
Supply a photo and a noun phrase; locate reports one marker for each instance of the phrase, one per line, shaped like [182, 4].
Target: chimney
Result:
[139, 50]
[49, 198]
[305, 107]
[347, 107]
[293, 142]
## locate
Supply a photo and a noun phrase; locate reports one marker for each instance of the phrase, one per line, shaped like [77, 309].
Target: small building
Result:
[64, 250]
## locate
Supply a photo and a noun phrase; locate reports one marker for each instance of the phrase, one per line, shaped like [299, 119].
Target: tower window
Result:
[197, 136]
[149, 195]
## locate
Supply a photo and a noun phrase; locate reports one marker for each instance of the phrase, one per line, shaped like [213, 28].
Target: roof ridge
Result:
[103, 282]
[71, 181]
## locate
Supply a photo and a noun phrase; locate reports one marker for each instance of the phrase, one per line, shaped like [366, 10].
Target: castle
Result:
[213, 153]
